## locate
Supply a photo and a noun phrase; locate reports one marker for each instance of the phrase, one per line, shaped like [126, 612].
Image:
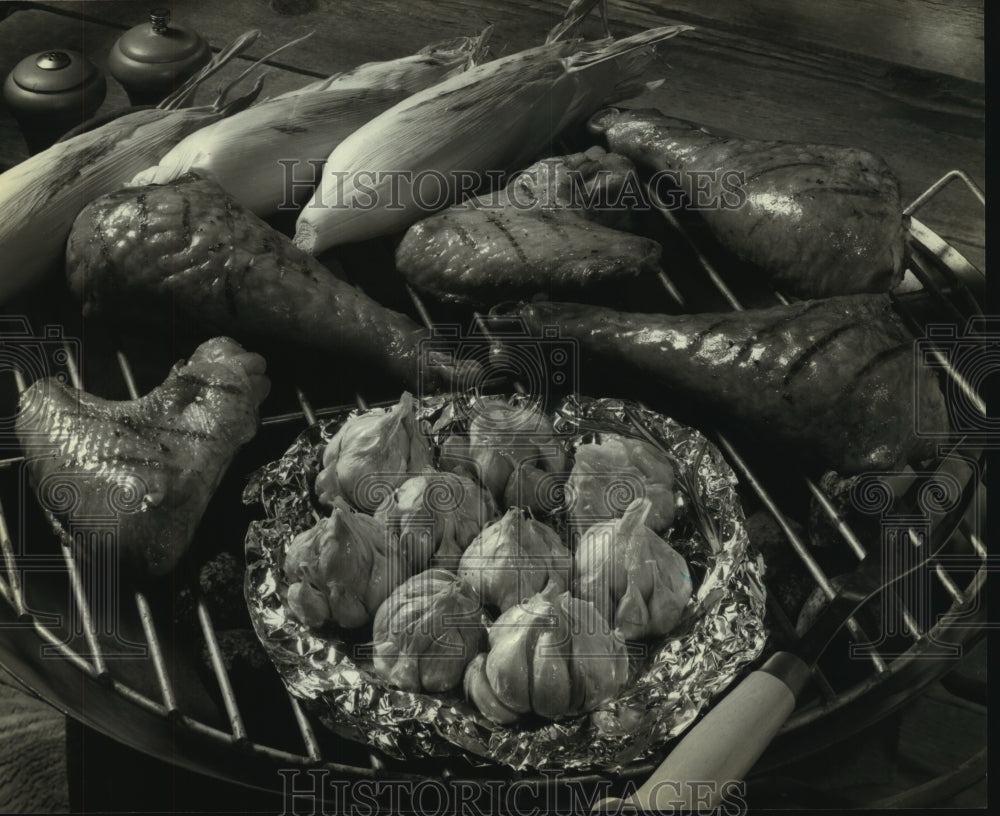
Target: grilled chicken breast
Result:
[598, 185]
[832, 381]
[186, 250]
[818, 220]
[484, 256]
[549, 231]
[152, 464]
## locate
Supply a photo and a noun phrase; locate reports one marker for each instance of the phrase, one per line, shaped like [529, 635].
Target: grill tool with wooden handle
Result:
[712, 759]
[709, 762]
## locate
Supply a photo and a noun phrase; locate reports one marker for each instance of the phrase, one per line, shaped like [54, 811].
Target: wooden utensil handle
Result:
[719, 750]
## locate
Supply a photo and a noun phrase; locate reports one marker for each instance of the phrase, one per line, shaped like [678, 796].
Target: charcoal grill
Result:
[161, 706]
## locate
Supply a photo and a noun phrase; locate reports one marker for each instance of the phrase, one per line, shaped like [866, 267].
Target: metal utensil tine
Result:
[855, 544]
[921, 272]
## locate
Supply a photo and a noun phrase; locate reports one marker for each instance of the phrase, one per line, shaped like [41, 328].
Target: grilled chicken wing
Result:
[151, 463]
[831, 380]
[189, 247]
[819, 220]
[549, 231]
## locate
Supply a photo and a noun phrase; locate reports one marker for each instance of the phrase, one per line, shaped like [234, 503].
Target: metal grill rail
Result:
[931, 257]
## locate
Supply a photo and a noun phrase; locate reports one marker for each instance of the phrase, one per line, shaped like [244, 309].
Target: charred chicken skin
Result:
[153, 463]
[552, 230]
[831, 380]
[188, 246]
[818, 220]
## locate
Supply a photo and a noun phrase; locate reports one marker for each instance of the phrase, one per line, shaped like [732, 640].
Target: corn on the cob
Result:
[40, 197]
[495, 116]
[408, 72]
[245, 153]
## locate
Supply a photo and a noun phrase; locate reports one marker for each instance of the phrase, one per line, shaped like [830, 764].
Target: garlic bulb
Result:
[553, 655]
[371, 453]
[340, 570]
[514, 558]
[435, 513]
[513, 451]
[426, 632]
[610, 474]
[635, 579]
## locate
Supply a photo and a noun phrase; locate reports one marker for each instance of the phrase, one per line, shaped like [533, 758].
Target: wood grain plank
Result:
[945, 36]
[32, 754]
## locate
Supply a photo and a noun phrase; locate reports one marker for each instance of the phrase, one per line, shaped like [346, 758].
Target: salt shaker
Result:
[52, 92]
[153, 59]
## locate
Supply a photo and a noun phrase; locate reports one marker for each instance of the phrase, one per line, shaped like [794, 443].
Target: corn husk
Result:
[268, 156]
[495, 117]
[573, 17]
[410, 72]
[41, 196]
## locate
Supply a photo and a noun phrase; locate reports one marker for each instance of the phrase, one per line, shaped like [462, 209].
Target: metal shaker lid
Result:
[161, 40]
[53, 72]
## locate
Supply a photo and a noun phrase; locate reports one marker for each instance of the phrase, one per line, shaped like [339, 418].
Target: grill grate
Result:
[932, 260]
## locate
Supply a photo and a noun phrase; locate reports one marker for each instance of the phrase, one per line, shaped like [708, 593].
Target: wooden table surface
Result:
[902, 78]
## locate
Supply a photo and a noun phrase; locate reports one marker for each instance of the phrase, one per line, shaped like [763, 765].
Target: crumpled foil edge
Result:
[676, 680]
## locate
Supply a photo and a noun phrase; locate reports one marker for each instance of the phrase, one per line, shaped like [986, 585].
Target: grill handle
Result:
[707, 766]
[712, 759]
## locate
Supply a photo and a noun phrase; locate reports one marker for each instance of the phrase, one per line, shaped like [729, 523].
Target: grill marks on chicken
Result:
[502, 255]
[150, 464]
[832, 380]
[553, 229]
[188, 248]
[818, 220]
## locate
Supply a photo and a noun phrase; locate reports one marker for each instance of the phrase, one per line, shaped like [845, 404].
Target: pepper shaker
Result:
[153, 59]
[52, 92]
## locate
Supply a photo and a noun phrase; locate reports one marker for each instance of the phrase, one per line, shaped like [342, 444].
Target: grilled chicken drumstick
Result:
[153, 463]
[819, 220]
[187, 246]
[832, 380]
